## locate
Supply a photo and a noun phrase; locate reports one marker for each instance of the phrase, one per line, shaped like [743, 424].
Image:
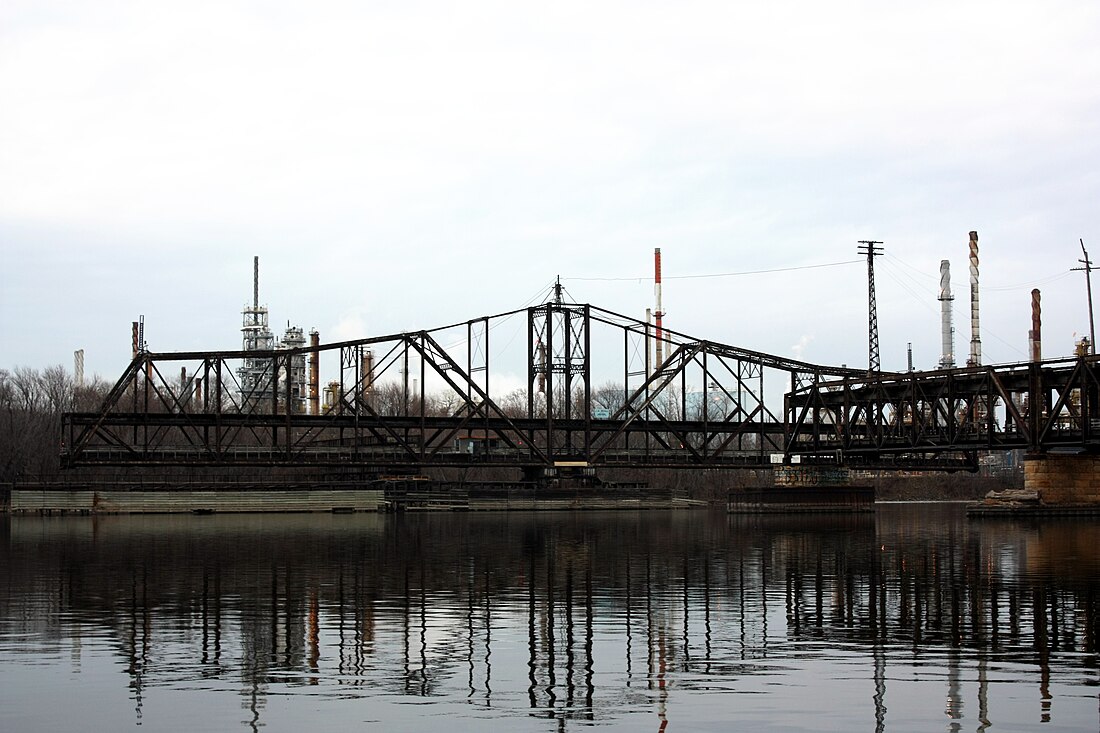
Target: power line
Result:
[1031, 284]
[919, 271]
[717, 274]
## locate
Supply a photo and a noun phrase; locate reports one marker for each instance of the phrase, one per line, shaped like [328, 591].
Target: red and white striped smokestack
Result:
[659, 314]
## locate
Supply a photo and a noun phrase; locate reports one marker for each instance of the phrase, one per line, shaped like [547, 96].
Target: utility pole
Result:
[872, 249]
[1087, 269]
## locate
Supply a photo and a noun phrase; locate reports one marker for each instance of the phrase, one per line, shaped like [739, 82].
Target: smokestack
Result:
[136, 341]
[975, 335]
[659, 314]
[315, 373]
[256, 281]
[648, 344]
[78, 367]
[947, 327]
[542, 367]
[366, 380]
[1035, 336]
[198, 394]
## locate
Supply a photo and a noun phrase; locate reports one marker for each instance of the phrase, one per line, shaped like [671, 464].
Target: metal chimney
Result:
[659, 313]
[975, 334]
[78, 367]
[1035, 336]
[947, 328]
[314, 372]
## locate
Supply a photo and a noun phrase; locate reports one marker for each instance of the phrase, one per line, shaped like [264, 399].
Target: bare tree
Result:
[31, 406]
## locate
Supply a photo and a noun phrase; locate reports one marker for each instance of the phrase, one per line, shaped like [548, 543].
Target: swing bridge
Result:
[597, 396]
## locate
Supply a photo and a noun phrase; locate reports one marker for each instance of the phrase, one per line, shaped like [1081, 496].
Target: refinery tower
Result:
[257, 372]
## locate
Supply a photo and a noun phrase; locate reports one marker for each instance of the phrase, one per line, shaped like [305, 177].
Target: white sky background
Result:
[402, 165]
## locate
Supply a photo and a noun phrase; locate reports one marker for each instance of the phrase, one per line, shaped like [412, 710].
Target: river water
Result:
[911, 619]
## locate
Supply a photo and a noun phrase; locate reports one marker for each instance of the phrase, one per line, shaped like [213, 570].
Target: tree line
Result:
[32, 402]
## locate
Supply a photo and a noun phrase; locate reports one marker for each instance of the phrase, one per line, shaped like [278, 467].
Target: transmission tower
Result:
[872, 250]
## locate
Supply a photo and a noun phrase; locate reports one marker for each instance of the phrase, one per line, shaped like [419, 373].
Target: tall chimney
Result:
[314, 373]
[947, 328]
[975, 335]
[648, 343]
[78, 367]
[366, 382]
[256, 281]
[1035, 336]
[659, 314]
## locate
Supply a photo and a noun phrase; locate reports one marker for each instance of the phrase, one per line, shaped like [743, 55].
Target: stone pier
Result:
[1053, 484]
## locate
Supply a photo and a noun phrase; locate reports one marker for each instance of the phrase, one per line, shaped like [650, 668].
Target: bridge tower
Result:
[558, 346]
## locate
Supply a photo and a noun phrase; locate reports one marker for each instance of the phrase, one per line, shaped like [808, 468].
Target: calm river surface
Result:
[911, 619]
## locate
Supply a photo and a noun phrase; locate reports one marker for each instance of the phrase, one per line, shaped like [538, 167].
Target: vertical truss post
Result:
[477, 345]
[422, 396]
[218, 390]
[531, 372]
[1036, 402]
[405, 380]
[548, 344]
[144, 371]
[567, 364]
[1088, 400]
[760, 397]
[706, 407]
[274, 400]
[587, 376]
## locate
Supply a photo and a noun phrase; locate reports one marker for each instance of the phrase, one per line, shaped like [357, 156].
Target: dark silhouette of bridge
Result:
[595, 396]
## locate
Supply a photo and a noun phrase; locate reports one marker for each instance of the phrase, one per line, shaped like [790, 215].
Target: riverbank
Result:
[417, 494]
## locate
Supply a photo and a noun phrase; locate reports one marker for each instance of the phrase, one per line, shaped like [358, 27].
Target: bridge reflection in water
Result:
[911, 618]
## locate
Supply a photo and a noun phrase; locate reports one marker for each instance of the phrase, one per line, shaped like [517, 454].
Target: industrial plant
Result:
[294, 386]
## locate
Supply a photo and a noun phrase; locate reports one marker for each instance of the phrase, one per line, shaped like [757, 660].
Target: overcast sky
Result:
[402, 165]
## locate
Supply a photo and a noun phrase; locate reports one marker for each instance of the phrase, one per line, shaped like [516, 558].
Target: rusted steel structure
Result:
[592, 399]
[902, 420]
[410, 401]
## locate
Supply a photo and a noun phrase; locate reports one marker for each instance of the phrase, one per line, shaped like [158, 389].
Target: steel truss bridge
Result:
[596, 396]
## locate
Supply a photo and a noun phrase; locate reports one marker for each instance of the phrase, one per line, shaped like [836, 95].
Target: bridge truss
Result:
[585, 393]
[899, 420]
[594, 396]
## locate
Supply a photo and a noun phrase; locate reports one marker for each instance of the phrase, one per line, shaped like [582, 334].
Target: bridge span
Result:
[594, 396]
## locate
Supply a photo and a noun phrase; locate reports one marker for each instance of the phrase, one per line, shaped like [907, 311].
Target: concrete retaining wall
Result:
[164, 502]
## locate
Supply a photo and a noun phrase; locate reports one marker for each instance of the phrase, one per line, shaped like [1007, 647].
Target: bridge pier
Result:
[811, 476]
[1053, 484]
[1064, 480]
